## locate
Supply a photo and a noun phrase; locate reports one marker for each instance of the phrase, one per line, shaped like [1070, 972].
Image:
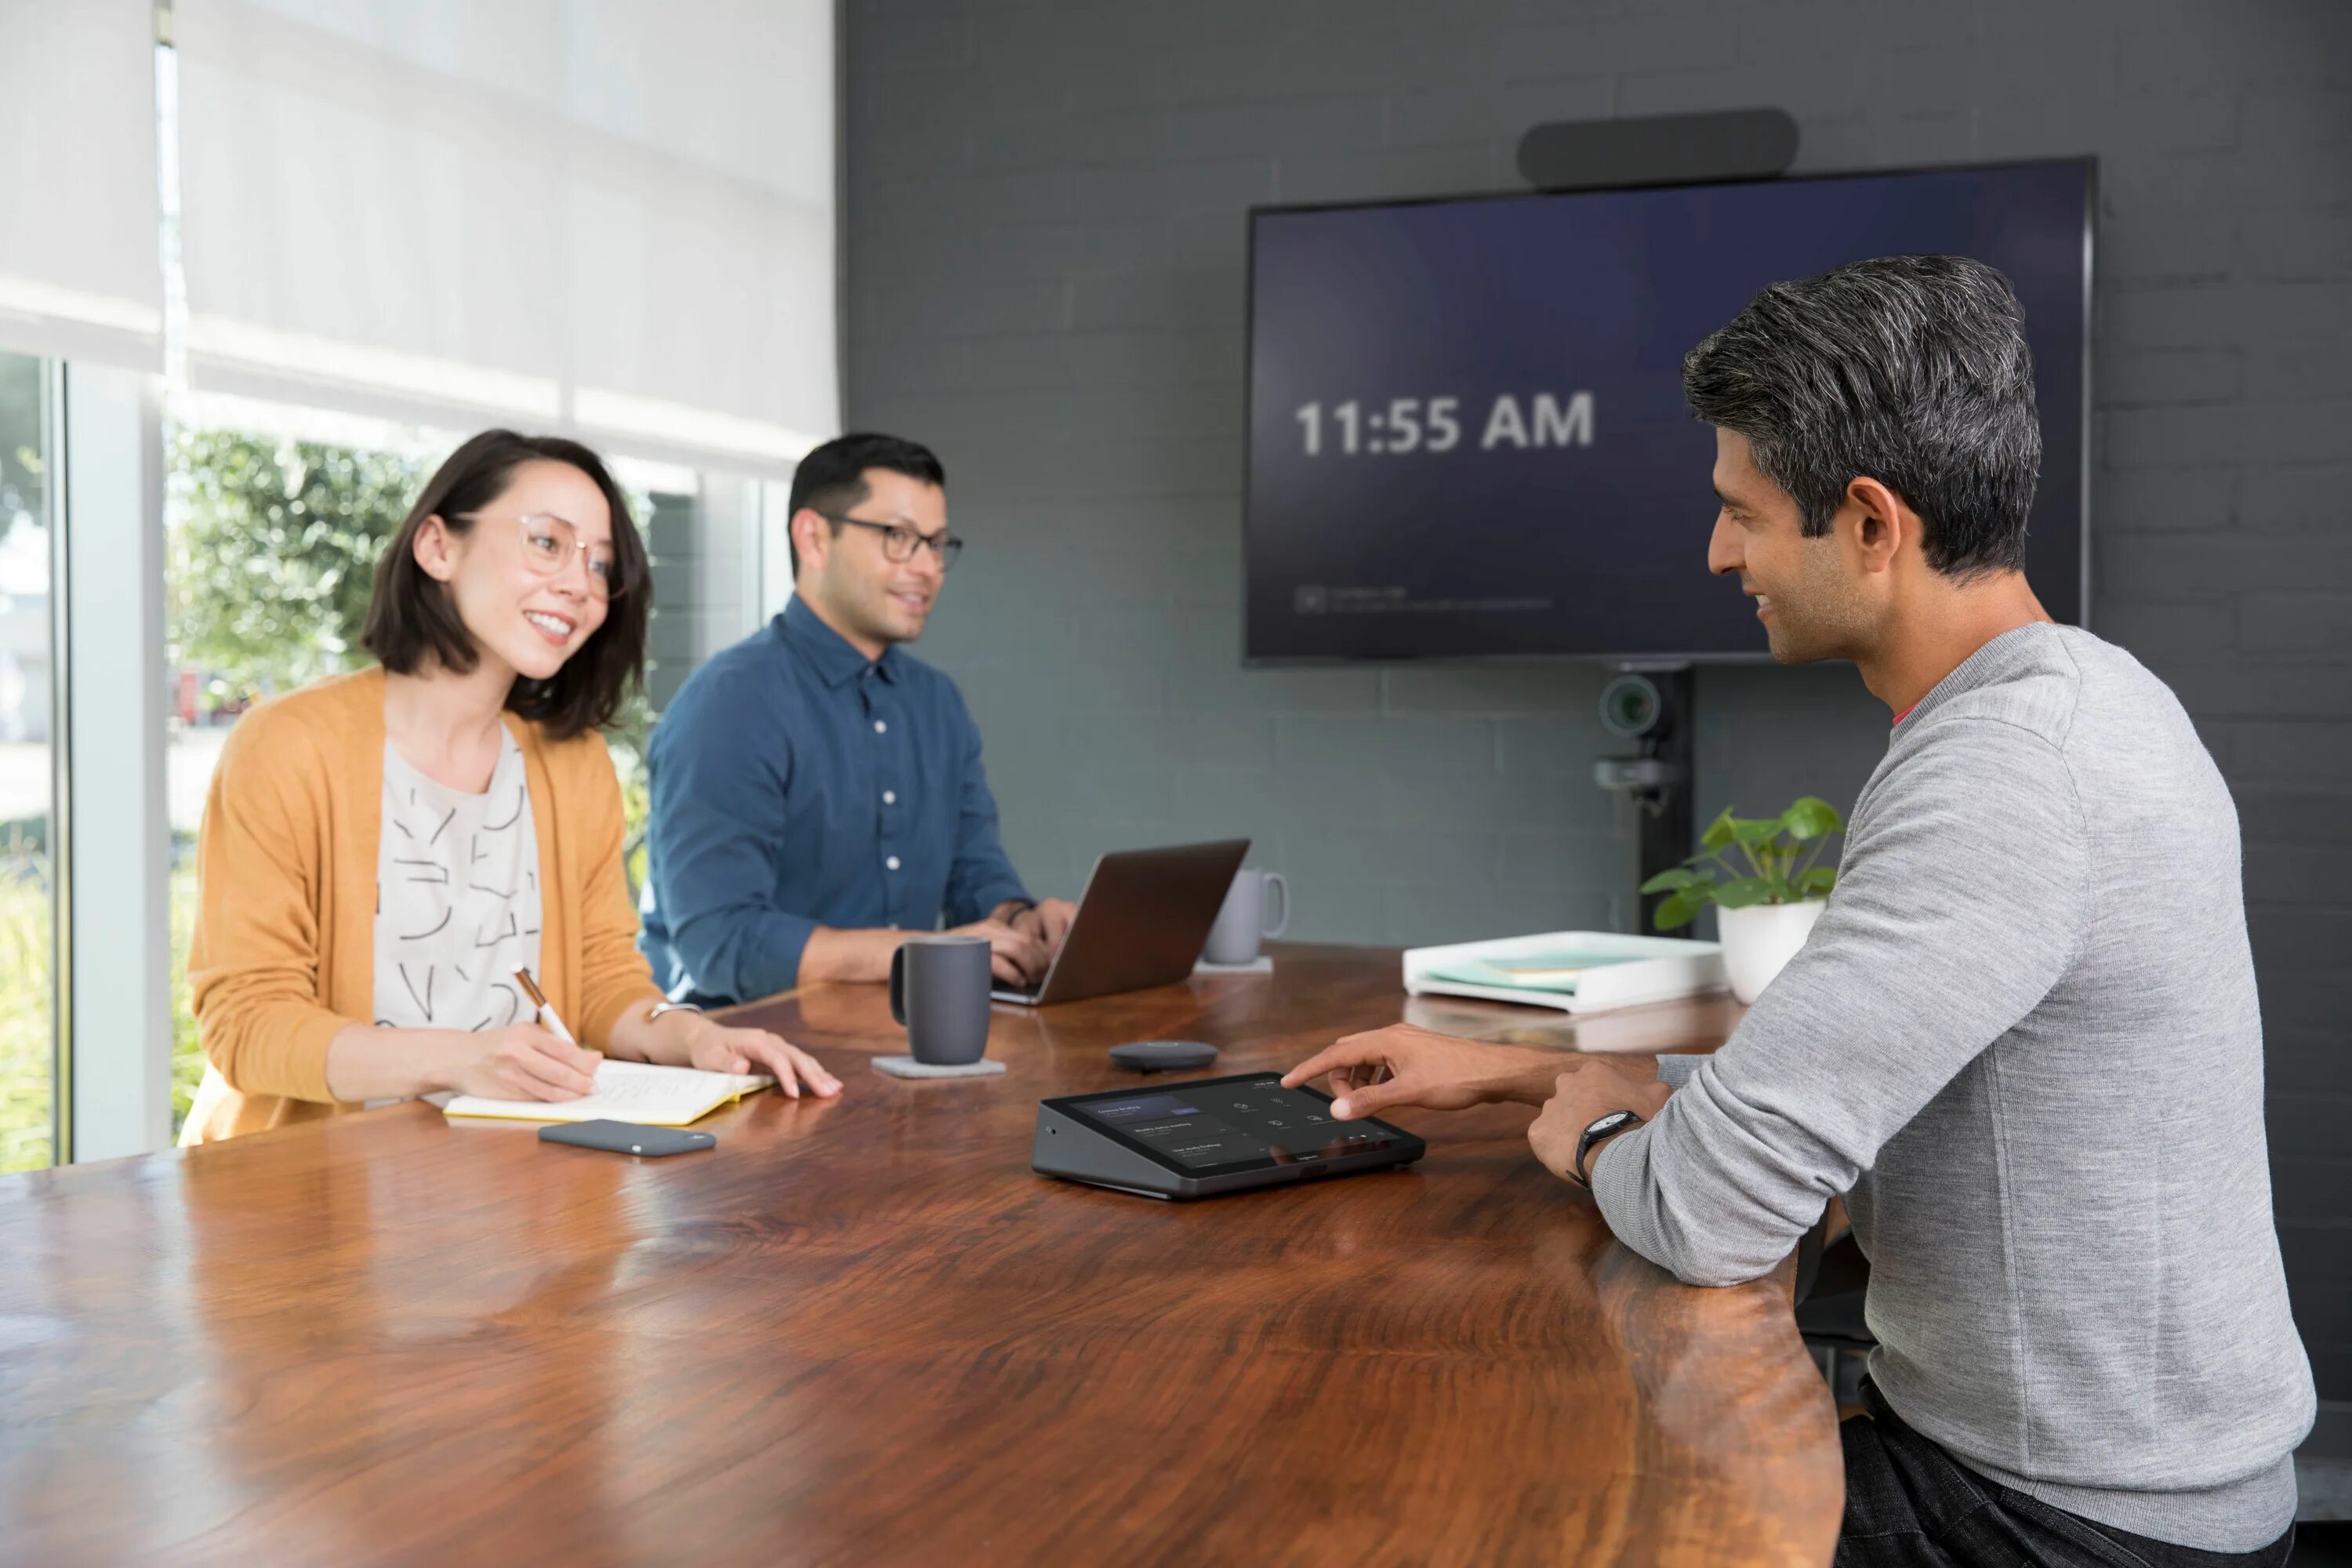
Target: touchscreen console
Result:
[1213, 1135]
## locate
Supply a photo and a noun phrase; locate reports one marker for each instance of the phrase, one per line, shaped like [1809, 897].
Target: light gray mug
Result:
[1242, 923]
[938, 989]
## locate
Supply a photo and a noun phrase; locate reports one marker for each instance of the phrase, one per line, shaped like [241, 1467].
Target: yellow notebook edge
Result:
[726, 1097]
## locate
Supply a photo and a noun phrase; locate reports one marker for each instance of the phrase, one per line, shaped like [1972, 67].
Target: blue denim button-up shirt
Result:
[798, 784]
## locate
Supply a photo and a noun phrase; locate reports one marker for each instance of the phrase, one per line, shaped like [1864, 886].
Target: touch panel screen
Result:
[1229, 1123]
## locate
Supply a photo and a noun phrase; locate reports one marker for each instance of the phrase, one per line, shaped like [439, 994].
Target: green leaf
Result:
[1718, 832]
[1755, 830]
[1742, 891]
[1780, 889]
[1671, 881]
[1811, 817]
[1676, 911]
[1820, 880]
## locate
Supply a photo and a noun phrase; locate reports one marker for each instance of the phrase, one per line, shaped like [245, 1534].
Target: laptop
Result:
[1141, 923]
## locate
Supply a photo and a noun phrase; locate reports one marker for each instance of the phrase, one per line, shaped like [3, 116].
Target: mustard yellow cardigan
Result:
[284, 954]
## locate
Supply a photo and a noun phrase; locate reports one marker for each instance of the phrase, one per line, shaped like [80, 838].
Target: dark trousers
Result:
[1908, 1504]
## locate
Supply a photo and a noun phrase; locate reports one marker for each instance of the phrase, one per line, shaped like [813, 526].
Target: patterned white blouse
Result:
[457, 905]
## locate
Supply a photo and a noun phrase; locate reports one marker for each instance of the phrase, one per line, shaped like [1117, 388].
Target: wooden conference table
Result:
[865, 1332]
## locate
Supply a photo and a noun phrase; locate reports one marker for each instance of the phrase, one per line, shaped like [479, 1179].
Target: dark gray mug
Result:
[938, 989]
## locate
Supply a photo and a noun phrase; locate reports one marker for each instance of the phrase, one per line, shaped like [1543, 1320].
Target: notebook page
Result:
[626, 1091]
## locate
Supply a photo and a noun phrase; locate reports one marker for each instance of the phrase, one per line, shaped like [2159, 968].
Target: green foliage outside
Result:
[187, 1054]
[23, 477]
[26, 952]
[26, 946]
[275, 555]
[1778, 852]
[24, 956]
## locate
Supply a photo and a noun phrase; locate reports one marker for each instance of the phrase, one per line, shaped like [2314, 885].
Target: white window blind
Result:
[609, 217]
[80, 269]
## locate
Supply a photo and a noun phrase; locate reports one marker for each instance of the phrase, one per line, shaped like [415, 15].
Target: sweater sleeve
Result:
[1675, 1071]
[1959, 907]
[255, 960]
[612, 973]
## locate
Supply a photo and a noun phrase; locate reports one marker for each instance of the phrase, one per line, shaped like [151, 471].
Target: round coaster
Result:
[1164, 1056]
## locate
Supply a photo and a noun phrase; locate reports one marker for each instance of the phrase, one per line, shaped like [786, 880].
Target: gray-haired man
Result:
[2023, 1038]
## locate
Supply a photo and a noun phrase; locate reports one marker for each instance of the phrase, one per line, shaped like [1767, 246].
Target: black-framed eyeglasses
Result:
[900, 541]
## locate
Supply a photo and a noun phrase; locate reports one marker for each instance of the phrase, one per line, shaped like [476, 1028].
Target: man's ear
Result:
[812, 536]
[1883, 524]
[433, 550]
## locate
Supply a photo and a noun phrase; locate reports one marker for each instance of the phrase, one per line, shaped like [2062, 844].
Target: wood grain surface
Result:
[866, 1332]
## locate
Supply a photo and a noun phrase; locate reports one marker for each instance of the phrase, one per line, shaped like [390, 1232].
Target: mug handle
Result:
[1275, 882]
[898, 983]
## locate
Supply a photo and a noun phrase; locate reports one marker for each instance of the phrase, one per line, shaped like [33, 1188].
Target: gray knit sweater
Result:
[2024, 1041]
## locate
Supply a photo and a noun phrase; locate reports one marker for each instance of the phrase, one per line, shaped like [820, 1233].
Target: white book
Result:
[626, 1091]
[1574, 970]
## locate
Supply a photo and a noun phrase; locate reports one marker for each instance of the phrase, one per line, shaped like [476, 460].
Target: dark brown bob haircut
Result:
[411, 618]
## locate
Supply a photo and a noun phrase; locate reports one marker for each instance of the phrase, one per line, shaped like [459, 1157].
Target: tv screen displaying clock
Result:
[1467, 436]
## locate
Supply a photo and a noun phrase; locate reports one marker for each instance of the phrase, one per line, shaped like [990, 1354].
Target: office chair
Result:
[1830, 1284]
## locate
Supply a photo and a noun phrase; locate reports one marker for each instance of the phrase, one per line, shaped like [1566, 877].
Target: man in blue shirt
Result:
[817, 792]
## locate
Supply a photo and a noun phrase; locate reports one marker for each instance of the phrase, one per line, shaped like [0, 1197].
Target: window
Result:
[28, 1034]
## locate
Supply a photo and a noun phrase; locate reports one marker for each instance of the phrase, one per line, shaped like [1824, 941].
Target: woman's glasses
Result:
[549, 544]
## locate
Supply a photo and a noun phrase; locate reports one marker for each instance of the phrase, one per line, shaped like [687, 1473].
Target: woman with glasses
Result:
[381, 852]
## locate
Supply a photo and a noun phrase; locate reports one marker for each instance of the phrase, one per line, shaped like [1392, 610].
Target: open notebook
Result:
[626, 1091]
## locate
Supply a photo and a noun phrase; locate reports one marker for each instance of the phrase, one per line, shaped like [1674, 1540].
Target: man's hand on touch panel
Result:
[1405, 1065]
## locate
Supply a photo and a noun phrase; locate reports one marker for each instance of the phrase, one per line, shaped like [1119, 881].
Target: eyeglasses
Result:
[549, 543]
[899, 543]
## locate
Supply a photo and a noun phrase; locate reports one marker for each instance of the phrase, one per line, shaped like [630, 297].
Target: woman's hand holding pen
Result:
[521, 1061]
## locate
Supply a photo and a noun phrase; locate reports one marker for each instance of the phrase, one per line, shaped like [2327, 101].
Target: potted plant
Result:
[1769, 904]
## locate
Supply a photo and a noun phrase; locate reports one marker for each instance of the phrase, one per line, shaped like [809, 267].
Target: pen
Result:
[547, 1013]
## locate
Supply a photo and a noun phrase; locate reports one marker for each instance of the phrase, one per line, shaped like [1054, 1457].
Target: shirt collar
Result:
[836, 662]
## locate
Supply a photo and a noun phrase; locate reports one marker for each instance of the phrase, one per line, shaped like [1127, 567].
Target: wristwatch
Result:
[1601, 1131]
[661, 1007]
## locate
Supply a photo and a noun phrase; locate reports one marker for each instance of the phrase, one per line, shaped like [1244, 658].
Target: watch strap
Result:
[1601, 1130]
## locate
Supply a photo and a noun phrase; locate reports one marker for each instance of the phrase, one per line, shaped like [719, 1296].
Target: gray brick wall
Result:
[1045, 248]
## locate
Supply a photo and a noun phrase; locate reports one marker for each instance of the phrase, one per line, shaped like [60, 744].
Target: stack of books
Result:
[1574, 970]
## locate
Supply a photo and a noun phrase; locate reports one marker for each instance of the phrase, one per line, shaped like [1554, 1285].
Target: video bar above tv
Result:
[1466, 429]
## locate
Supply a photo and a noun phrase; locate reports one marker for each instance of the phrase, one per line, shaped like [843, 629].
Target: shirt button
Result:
[889, 797]
[880, 728]
[892, 862]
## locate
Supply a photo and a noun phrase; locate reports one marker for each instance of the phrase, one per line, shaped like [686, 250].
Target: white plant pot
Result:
[1758, 942]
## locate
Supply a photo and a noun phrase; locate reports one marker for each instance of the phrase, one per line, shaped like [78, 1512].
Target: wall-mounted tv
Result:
[1466, 429]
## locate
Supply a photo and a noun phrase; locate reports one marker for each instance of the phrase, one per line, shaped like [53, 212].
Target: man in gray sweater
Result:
[2022, 1041]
